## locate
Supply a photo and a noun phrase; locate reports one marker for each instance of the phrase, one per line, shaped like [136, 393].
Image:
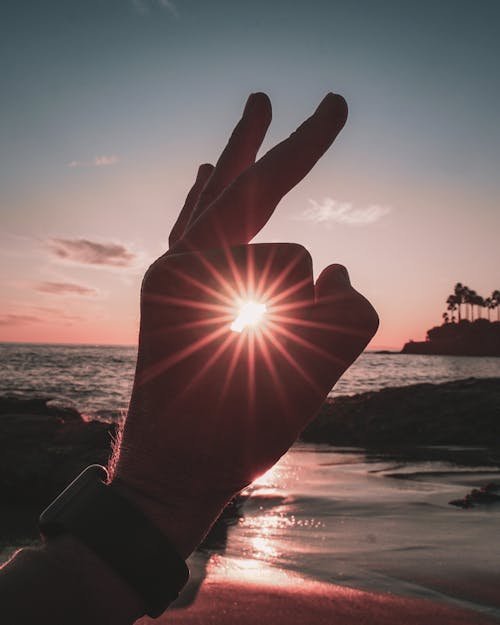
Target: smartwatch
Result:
[121, 535]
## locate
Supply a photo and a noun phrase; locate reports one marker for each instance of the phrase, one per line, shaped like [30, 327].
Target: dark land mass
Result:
[487, 494]
[466, 338]
[464, 412]
[44, 447]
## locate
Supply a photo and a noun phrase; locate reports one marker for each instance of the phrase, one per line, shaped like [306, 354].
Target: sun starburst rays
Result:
[206, 322]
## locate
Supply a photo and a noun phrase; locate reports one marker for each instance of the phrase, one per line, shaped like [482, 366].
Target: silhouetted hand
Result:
[212, 407]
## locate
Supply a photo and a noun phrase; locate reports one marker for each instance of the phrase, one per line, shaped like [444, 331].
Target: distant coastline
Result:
[465, 338]
[465, 330]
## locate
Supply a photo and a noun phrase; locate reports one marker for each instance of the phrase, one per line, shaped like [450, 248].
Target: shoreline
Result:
[391, 590]
[43, 447]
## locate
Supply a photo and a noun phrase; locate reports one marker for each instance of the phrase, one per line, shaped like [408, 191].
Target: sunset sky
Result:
[109, 106]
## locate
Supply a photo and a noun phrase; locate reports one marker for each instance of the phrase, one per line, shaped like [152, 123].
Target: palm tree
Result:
[459, 298]
[489, 304]
[495, 296]
[479, 302]
[469, 295]
[452, 305]
[446, 319]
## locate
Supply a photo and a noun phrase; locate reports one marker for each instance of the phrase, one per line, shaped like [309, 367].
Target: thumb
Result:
[342, 319]
[341, 324]
[332, 278]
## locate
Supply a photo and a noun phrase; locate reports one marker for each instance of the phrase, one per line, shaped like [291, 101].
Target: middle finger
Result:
[240, 151]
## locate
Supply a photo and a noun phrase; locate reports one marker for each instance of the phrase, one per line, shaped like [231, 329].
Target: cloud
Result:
[12, 319]
[330, 210]
[143, 6]
[91, 252]
[98, 161]
[52, 314]
[22, 315]
[64, 288]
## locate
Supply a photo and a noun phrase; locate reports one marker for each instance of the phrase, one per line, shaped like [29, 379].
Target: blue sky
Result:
[108, 107]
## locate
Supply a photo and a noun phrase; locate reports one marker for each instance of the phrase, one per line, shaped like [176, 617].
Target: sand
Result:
[310, 603]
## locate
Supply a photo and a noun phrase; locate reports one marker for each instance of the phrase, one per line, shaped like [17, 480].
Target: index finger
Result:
[246, 205]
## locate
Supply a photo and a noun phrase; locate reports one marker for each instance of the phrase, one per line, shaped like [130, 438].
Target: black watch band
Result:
[120, 534]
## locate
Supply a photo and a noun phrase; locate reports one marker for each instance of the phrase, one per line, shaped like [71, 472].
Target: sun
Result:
[250, 314]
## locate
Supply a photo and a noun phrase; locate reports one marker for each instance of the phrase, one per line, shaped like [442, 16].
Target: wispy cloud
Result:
[12, 319]
[52, 314]
[91, 252]
[64, 288]
[332, 211]
[144, 6]
[98, 161]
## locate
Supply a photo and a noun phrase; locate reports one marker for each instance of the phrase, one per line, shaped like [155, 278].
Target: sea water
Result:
[97, 380]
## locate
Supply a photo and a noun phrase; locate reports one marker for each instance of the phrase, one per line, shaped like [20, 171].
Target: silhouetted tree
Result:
[479, 302]
[452, 306]
[495, 296]
[466, 302]
[488, 305]
[459, 298]
[473, 302]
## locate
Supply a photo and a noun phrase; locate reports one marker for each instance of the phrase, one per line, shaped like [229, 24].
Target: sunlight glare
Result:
[250, 314]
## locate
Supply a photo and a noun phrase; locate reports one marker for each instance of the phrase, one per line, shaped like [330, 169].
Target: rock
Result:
[43, 447]
[464, 412]
[478, 338]
[486, 494]
[37, 405]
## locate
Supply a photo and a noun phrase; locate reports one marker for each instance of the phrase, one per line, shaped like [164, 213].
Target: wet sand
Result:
[310, 603]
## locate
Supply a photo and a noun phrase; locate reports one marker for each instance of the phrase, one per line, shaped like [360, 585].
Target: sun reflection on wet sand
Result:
[270, 478]
[374, 523]
[249, 570]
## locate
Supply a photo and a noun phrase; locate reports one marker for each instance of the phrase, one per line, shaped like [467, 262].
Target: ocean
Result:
[97, 380]
[345, 516]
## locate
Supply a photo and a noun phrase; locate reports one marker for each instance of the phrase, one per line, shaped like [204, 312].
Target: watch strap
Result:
[121, 535]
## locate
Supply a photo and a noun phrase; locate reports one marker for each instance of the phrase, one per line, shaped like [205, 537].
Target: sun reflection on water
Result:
[268, 479]
[268, 540]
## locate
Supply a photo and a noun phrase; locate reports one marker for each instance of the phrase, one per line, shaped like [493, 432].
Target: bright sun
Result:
[250, 314]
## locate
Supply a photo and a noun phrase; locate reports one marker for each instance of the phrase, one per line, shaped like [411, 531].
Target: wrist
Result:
[184, 518]
[65, 582]
[94, 575]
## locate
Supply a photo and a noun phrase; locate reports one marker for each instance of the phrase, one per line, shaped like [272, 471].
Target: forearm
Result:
[63, 582]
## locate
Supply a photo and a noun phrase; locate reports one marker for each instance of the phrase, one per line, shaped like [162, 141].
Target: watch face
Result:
[52, 520]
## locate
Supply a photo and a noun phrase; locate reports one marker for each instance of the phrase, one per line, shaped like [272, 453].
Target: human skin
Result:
[212, 409]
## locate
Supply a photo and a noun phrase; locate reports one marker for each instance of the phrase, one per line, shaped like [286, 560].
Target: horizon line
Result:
[92, 344]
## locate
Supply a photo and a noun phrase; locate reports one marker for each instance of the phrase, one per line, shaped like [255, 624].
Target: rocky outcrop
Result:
[478, 338]
[465, 412]
[43, 447]
[487, 494]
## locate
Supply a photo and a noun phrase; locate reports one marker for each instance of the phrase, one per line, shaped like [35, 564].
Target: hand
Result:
[213, 408]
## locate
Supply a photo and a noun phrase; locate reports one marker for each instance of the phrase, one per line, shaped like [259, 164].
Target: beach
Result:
[344, 533]
[382, 544]
[303, 602]
[356, 534]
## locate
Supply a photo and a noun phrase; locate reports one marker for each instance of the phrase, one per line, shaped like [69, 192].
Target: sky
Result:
[107, 108]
